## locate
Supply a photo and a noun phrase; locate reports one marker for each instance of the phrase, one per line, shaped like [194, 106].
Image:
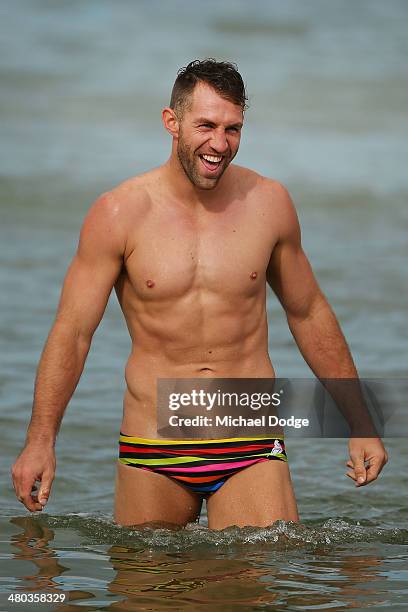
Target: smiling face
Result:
[209, 136]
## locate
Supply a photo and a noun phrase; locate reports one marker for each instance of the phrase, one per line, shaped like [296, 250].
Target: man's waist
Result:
[182, 364]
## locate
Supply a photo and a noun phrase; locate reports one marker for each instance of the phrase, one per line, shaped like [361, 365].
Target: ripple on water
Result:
[280, 535]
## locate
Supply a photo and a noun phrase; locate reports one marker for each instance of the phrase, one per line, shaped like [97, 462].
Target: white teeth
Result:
[212, 158]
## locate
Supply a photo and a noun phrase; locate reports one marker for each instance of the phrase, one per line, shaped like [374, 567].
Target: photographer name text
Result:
[238, 421]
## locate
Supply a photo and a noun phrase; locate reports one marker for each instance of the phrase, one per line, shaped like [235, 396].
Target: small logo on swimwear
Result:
[277, 448]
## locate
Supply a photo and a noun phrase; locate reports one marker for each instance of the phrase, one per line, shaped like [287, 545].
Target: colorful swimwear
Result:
[201, 465]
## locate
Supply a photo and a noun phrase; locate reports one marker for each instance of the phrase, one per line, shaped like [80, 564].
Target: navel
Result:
[150, 284]
[254, 275]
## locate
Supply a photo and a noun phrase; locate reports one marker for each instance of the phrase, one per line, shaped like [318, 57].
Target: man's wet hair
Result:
[222, 76]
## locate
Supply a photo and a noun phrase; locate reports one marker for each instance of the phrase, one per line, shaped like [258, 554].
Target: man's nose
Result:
[219, 141]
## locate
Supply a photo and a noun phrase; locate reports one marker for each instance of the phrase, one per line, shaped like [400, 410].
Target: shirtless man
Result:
[189, 247]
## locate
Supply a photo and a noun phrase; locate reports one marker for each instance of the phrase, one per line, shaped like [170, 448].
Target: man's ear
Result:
[170, 121]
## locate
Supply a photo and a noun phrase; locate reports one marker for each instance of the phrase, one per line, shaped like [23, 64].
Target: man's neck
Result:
[185, 190]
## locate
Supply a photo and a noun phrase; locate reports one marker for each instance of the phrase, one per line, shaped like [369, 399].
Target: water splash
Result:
[282, 535]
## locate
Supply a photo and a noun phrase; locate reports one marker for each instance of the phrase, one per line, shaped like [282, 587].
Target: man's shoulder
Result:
[269, 191]
[133, 192]
[131, 197]
[117, 211]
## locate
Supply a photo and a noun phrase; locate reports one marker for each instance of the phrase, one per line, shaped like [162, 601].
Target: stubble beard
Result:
[189, 162]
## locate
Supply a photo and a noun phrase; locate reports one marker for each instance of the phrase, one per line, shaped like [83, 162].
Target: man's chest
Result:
[222, 252]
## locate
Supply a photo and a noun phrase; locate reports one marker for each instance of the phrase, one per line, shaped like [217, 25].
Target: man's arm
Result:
[314, 325]
[85, 293]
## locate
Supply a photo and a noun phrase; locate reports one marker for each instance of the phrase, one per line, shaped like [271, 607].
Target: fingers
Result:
[26, 489]
[33, 499]
[34, 465]
[355, 475]
[372, 469]
[25, 495]
[372, 472]
[45, 489]
[357, 463]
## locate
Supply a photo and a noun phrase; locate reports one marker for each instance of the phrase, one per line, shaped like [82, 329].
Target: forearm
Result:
[322, 343]
[325, 349]
[59, 370]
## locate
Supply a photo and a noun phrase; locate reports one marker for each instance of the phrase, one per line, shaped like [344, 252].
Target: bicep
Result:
[289, 272]
[93, 270]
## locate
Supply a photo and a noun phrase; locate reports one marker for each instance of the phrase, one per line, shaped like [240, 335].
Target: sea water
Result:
[83, 84]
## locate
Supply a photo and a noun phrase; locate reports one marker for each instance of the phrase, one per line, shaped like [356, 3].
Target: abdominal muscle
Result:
[246, 357]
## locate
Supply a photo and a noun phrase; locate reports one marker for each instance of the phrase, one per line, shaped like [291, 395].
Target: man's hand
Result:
[35, 463]
[367, 458]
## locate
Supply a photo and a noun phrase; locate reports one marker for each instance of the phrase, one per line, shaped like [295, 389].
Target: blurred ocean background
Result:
[82, 87]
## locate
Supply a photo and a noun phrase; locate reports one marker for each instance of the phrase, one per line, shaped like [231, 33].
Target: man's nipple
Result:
[254, 275]
[150, 284]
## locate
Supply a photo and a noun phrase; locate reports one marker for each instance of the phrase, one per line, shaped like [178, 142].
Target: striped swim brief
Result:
[201, 465]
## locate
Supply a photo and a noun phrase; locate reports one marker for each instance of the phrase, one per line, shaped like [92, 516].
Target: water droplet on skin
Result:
[254, 275]
[150, 283]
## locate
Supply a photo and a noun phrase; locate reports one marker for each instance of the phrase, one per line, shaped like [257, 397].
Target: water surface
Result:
[83, 85]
